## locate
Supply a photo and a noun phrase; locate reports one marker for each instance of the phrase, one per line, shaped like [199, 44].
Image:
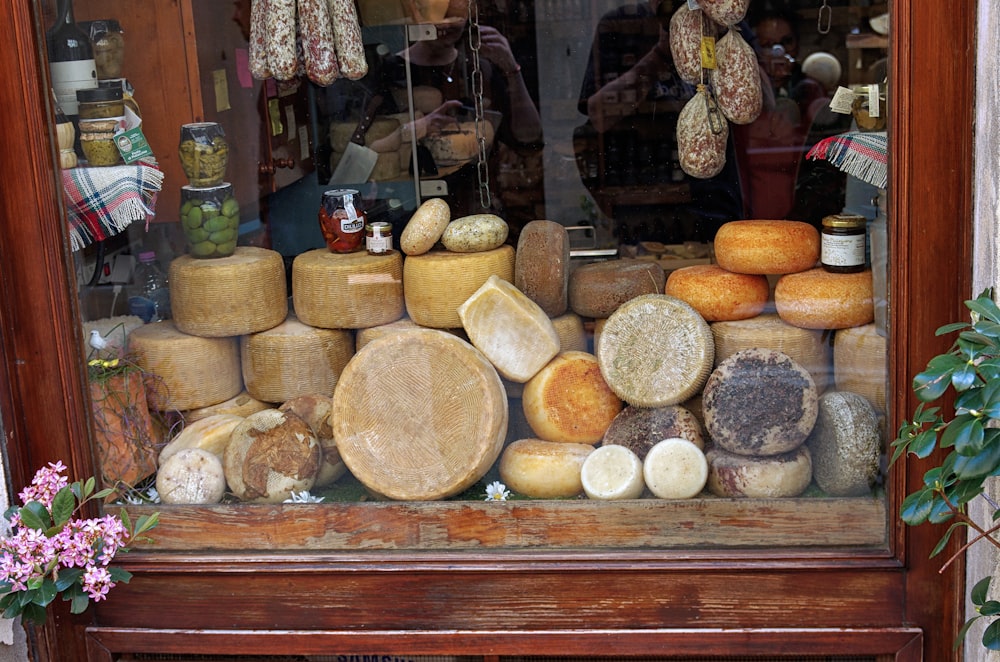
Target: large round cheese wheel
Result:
[767, 247]
[655, 350]
[818, 299]
[810, 348]
[270, 455]
[347, 290]
[845, 444]
[785, 475]
[719, 294]
[611, 473]
[419, 415]
[294, 359]
[315, 409]
[364, 336]
[572, 334]
[541, 268]
[229, 296]
[859, 363]
[675, 469]
[599, 288]
[641, 428]
[185, 371]
[568, 400]
[242, 404]
[438, 282]
[425, 227]
[544, 469]
[759, 402]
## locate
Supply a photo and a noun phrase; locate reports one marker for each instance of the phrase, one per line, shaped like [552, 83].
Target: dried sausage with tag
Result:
[685, 42]
[259, 68]
[737, 79]
[725, 12]
[702, 133]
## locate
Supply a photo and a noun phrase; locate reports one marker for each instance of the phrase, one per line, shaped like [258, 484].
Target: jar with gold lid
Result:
[842, 243]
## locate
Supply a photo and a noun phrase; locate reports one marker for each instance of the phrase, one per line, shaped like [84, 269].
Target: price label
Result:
[708, 52]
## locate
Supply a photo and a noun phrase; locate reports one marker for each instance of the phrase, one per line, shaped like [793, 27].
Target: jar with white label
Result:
[842, 245]
[342, 220]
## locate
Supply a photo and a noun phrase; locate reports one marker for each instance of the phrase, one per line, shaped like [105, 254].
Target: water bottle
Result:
[149, 297]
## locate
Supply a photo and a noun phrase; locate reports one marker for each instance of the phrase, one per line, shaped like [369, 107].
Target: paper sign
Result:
[274, 113]
[221, 83]
[708, 52]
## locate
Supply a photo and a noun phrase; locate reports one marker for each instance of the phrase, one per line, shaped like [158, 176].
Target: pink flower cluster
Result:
[28, 554]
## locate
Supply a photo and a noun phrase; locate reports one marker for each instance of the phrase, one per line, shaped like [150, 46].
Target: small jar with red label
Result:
[342, 220]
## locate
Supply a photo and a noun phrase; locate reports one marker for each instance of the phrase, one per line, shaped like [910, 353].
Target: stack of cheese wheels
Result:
[347, 290]
[655, 350]
[641, 428]
[270, 455]
[243, 404]
[675, 468]
[767, 247]
[611, 473]
[568, 400]
[186, 371]
[571, 331]
[541, 267]
[425, 227]
[810, 348]
[544, 469]
[845, 444]
[436, 283]
[819, 299]
[717, 294]
[599, 288]
[210, 434]
[419, 415]
[315, 409]
[759, 407]
[512, 331]
[859, 363]
[294, 359]
[229, 296]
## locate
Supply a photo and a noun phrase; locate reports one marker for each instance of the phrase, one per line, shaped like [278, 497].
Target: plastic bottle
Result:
[149, 295]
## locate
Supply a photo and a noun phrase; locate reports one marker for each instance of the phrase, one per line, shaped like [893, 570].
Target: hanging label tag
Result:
[873, 103]
[842, 101]
[693, 4]
[708, 52]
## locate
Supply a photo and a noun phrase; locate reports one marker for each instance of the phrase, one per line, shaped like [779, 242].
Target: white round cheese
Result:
[612, 473]
[191, 476]
[675, 468]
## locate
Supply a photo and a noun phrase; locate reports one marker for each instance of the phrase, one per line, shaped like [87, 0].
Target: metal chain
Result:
[482, 167]
[824, 18]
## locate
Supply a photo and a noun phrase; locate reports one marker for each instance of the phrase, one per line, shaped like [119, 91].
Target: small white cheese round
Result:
[612, 473]
[191, 476]
[675, 468]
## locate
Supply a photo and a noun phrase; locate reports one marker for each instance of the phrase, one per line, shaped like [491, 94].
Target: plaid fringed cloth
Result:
[858, 153]
[101, 202]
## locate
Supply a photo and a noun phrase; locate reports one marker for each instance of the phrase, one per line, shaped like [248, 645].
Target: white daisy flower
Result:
[497, 491]
[303, 497]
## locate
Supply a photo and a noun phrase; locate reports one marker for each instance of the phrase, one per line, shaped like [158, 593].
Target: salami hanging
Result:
[347, 37]
[280, 42]
[685, 42]
[316, 32]
[737, 79]
[725, 12]
[259, 67]
[702, 133]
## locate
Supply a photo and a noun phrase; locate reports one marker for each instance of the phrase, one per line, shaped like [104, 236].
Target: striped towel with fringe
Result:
[858, 153]
[101, 202]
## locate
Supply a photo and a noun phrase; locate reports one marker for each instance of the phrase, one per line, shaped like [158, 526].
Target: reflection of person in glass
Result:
[441, 72]
[631, 95]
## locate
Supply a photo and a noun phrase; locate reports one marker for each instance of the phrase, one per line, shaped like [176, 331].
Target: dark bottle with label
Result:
[71, 59]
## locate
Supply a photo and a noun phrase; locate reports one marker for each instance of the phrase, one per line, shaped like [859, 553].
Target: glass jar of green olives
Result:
[210, 218]
[204, 153]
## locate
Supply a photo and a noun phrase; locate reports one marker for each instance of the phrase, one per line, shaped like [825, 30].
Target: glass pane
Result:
[622, 266]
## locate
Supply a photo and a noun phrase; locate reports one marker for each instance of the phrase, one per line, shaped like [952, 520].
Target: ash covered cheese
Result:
[509, 328]
[347, 290]
[436, 283]
[641, 428]
[542, 265]
[759, 402]
[845, 444]
[655, 350]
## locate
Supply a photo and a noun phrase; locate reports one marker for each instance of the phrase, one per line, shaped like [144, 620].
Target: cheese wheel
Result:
[229, 296]
[347, 290]
[785, 475]
[860, 364]
[544, 469]
[810, 348]
[641, 428]
[655, 350]
[243, 404]
[191, 476]
[294, 359]
[542, 265]
[315, 409]
[718, 294]
[818, 299]
[611, 473]
[759, 402]
[209, 434]
[185, 371]
[425, 227]
[364, 336]
[675, 469]
[509, 328]
[845, 444]
[568, 400]
[766, 247]
[475, 233]
[270, 455]
[572, 334]
[599, 288]
[438, 282]
[419, 415]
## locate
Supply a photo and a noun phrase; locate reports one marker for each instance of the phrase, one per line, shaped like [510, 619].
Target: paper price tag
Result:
[842, 101]
[873, 102]
[708, 52]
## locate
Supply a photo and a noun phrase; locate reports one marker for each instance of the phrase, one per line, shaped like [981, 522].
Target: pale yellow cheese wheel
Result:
[347, 290]
[818, 299]
[435, 284]
[229, 296]
[210, 434]
[419, 415]
[569, 401]
[860, 365]
[572, 334]
[294, 359]
[785, 475]
[544, 469]
[766, 246]
[185, 371]
[364, 336]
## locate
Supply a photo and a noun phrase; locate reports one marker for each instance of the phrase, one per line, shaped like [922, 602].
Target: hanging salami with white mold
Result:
[702, 133]
[316, 33]
[280, 42]
[259, 67]
[347, 37]
[737, 79]
[725, 12]
[685, 42]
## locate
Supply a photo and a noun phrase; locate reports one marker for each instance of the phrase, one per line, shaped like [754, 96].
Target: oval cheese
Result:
[438, 282]
[475, 233]
[425, 227]
[347, 290]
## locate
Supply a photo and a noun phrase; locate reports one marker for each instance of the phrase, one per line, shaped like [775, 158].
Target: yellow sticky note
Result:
[274, 113]
[708, 52]
[221, 84]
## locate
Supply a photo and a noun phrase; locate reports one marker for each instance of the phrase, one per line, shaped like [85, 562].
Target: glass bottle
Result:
[149, 294]
[71, 58]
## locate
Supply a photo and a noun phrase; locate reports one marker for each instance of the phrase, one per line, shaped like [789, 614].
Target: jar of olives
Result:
[210, 218]
[204, 153]
[108, 40]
